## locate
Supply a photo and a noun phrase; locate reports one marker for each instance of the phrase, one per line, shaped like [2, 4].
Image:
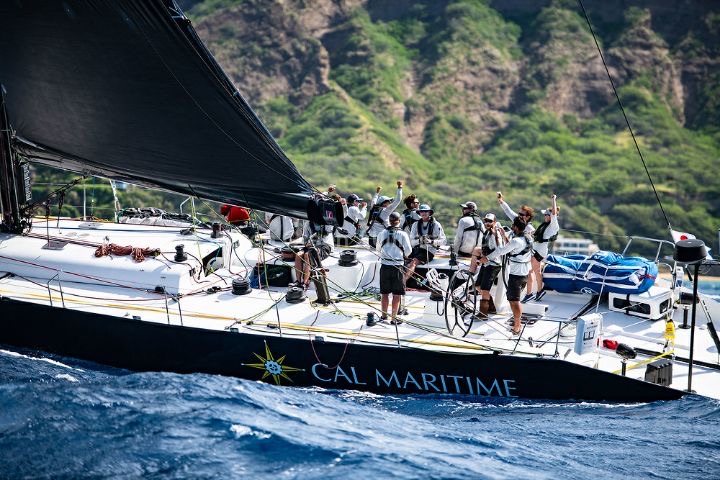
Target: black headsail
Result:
[126, 90]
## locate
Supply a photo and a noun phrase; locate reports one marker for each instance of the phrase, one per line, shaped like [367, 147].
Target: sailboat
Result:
[125, 90]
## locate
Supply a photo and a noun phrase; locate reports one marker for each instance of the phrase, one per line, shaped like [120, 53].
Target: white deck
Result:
[39, 278]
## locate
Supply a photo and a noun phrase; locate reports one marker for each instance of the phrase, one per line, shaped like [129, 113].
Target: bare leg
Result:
[516, 308]
[306, 268]
[530, 281]
[536, 269]
[410, 270]
[384, 300]
[395, 305]
[298, 267]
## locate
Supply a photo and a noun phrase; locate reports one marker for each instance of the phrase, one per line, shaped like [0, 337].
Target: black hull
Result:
[145, 346]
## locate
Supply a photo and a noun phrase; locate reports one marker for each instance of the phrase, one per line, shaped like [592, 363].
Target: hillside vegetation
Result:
[467, 97]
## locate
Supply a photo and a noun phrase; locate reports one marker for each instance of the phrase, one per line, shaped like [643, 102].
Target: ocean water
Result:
[60, 418]
[64, 418]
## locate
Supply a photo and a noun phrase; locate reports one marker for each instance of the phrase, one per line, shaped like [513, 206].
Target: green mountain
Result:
[462, 98]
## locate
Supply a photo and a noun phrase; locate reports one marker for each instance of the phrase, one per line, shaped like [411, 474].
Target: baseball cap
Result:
[353, 198]
[545, 212]
[470, 205]
[489, 216]
[382, 199]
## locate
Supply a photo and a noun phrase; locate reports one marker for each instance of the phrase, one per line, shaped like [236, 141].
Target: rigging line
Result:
[622, 109]
[207, 114]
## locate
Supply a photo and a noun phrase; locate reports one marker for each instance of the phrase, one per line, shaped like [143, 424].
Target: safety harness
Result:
[540, 232]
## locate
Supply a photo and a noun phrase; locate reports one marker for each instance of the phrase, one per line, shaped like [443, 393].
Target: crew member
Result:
[380, 209]
[315, 237]
[526, 213]
[469, 230]
[393, 246]
[543, 235]
[426, 236]
[519, 251]
[356, 212]
[280, 227]
[492, 238]
[410, 214]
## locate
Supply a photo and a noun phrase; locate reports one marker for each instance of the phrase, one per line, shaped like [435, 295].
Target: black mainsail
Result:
[125, 89]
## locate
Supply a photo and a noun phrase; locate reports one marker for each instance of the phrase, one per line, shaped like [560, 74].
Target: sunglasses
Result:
[487, 221]
[521, 214]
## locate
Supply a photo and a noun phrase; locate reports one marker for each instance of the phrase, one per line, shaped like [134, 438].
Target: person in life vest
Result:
[469, 230]
[519, 252]
[380, 209]
[280, 227]
[410, 214]
[545, 233]
[493, 236]
[356, 213]
[526, 213]
[393, 245]
[235, 215]
[426, 235]
[321, 238]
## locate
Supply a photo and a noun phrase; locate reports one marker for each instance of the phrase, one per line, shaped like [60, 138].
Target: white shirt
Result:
[552, 229]
[421, 228]
[390, 254]
[466, 240]
[519, 265]
[356, 214]
[280, 227]
[382, 221]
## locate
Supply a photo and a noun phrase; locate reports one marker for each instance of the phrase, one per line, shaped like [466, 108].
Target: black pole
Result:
[692, 326]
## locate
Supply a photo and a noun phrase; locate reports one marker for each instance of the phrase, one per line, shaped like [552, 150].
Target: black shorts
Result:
[537, 256]
[391, 279]
[422, 254]
[487, 276]
[515, 285]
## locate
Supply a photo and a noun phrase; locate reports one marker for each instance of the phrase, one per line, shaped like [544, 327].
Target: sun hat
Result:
[425, 208]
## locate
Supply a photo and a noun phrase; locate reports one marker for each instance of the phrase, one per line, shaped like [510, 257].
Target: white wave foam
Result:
[243, 431]
[41, 359]
[66, 376]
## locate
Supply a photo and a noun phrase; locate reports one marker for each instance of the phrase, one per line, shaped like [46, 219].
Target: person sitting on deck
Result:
[280, 227]
[315, 237]
[393, 246]
[426, 236]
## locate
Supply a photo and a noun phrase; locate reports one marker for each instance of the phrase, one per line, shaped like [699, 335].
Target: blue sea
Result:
[63, 418]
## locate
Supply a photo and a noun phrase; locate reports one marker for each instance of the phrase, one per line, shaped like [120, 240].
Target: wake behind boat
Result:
[173, 298]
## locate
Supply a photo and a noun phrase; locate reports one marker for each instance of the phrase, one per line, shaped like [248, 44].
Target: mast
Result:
[14, 177]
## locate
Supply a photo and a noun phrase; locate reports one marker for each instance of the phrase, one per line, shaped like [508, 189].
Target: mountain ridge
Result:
[464, 98]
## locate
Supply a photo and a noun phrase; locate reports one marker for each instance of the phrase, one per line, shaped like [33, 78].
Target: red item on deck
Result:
[235, 214]
[611, 344]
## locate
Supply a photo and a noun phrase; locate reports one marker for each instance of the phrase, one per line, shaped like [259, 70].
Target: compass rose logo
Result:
[273, 367]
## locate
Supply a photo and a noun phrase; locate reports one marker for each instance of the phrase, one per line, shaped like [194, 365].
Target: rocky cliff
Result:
[459, 96]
